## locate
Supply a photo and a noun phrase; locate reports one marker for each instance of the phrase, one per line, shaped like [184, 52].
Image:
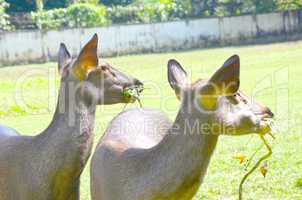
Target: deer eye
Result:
[104, 68]
[108, 71]
[233, 99]
[241, 98]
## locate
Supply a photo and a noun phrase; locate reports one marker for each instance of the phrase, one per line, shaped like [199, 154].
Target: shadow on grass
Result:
[299, 183]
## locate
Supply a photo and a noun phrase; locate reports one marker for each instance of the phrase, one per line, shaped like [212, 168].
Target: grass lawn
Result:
[271, 73]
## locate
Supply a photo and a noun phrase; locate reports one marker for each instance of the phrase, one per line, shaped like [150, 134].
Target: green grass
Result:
[264, 68]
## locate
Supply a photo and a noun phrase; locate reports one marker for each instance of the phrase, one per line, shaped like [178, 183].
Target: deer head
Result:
[218, 100]
[100, 83]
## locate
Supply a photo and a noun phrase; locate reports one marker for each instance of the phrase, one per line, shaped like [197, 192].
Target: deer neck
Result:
[186, 151]
[66, 144]
[71, 129]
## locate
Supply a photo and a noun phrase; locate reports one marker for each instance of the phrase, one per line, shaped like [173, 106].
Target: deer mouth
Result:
[132, 93]
[264, 113]
[265, 116]
[267, 124]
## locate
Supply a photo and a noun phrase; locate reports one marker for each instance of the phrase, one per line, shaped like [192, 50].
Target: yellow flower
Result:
[240, 157]
[264, 169]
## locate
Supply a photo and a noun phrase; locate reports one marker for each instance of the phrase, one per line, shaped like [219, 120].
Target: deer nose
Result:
[133, 83]
[269, 112]
[138, 82]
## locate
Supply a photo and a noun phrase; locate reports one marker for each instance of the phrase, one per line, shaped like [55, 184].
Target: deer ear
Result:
[177, 76]
[225, 80]
[87, 60]
[64, 58]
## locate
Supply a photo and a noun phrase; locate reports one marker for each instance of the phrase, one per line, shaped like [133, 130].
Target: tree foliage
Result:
[76, 15]
[194, 8]
[148, 11]
[4, 18]
[87, 13]
[239, 7]
[289, 4]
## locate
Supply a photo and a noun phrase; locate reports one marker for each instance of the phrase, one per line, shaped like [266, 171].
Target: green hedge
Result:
[147, 11]
[289, 4]
[51, 19]
[146, 14]
[225, 8]
[91, 15]
[86, 15]
[76, 15]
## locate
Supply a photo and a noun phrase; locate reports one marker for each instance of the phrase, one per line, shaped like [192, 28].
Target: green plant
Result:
[89, 13]
[148, 11]
[51, 19]
[161, 10]
[123, 14]
[289, 4]
[76, 15]
[86, 15]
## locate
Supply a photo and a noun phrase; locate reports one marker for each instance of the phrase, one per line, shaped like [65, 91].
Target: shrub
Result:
[86, 15]
[76, 15]
[146, 12]
[289, 4]
[51, 19]
[4, 18]
[123, 14]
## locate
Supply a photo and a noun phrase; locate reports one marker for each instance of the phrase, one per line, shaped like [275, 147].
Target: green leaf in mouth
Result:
[132, 91]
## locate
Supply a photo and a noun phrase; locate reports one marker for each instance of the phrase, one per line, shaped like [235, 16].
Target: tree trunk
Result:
[39, 5]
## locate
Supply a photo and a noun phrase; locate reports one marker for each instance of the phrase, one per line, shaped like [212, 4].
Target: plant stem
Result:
[266, 156]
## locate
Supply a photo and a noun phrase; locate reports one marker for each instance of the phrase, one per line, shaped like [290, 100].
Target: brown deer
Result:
[48, 166]
[144, 156]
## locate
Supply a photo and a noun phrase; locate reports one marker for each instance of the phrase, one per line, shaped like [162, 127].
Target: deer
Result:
[145, 156]
[48, 166]
[7, 131]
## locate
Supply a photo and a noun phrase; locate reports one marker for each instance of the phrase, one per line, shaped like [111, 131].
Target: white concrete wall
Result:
[270, 23]
[34, 46]
[237, 27]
